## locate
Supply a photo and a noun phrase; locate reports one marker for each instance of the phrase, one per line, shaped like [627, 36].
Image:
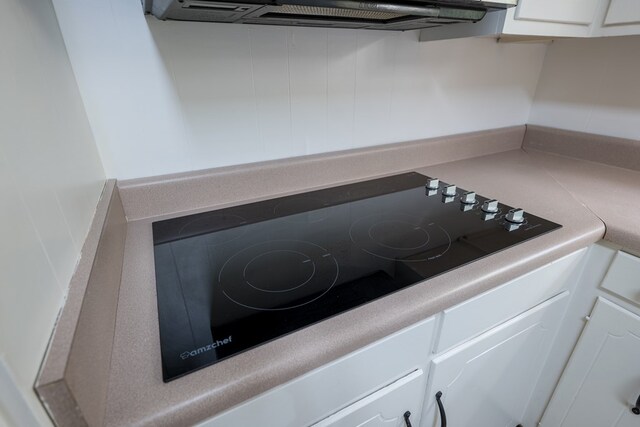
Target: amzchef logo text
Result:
[204, 349]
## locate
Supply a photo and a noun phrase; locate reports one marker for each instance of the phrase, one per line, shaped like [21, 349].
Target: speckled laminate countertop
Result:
[574, 193]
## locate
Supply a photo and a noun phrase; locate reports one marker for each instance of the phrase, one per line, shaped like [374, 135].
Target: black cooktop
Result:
[232, 279]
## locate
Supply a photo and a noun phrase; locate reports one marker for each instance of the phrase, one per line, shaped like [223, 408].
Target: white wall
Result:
[591, 85]
[167, 97]
[50, 181]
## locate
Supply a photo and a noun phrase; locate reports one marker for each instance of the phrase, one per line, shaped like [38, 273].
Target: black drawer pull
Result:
[407, 421]
[443, 415]
[636, 409]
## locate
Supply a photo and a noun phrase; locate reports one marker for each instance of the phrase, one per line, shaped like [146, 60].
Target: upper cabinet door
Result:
[552, 18]
[618, 18]
[601, 383]
[562, 11]
[623, 12]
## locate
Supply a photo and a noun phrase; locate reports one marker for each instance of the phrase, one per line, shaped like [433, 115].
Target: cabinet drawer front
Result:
[330, 388]
[493, 307]
[623, 277]
[384, 408]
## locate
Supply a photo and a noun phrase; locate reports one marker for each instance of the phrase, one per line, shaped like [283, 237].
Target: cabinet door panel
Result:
[623, 12]
[485, 311]
[623, 277]
[602, 379]
[489, 380]
[384, 408]
[335, 386]
[563, 11]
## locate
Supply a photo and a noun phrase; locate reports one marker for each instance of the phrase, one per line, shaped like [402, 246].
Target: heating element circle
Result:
[293, 272]
[396, 236]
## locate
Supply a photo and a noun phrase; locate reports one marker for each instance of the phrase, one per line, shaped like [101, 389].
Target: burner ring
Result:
[233, 283]
[401, 248]
[313, 271]
[438, 243]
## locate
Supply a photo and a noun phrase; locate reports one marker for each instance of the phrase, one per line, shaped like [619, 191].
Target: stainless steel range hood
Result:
[371, 15]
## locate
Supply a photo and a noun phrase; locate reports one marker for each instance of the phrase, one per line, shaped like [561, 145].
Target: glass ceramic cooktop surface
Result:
[231, 279]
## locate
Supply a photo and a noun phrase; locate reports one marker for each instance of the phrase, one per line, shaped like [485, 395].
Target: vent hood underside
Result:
[373, 15]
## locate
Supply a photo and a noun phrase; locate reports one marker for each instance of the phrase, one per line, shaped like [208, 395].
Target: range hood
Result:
[371, 15]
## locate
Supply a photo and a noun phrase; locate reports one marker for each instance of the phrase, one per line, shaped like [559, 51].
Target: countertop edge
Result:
[73, 380]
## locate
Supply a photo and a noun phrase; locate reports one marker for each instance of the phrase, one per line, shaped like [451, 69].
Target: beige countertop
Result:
[574, 193]
[611, 193]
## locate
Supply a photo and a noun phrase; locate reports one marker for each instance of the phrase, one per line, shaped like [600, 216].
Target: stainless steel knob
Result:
[449, 190]
[490, 206]
[468, 198]
[515, 215]
[432, 183]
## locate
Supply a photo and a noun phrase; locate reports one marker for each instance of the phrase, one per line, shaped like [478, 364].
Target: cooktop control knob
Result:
[468, 198]
[490, 206]
[449, 190]
[432, 183]
[515, 216]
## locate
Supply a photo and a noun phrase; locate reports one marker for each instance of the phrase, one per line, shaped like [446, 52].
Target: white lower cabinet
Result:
[390, 367]
[623, 277]
[489, 380]
[485, 311]
[389, 407]
[601, 383]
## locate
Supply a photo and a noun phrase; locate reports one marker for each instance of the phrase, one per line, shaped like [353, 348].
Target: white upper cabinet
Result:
[551, 18]
[573, 18]
[532, 19]
[618, 18]
[562, 11]
[623, 12]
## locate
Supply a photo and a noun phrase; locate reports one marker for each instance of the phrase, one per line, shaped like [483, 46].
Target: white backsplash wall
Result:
[50, 181]
[258, 93]
[168, 97]
[591, 85]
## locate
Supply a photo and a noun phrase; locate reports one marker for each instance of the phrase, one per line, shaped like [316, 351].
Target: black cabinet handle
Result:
[407, 421]
[443, 415]
[636, 409]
